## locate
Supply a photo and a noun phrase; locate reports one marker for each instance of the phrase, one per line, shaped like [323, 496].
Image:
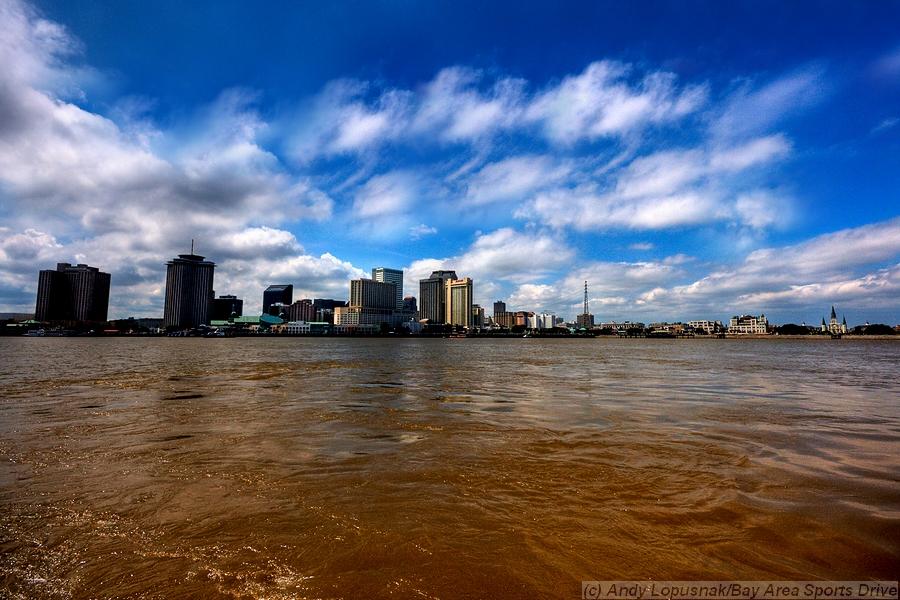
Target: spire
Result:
[845, 319]
[823, 321]
[833, 314]
[192, 250]
[585, 298]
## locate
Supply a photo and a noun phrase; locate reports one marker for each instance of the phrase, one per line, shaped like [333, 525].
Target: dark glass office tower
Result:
[277, 294]
[79, 293]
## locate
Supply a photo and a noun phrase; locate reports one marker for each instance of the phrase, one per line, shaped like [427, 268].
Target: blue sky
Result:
[690, 160]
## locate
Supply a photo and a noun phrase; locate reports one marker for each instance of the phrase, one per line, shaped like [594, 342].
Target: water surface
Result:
[431, 468]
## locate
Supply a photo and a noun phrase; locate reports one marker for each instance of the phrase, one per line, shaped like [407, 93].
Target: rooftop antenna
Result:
[585, 298]
[192, 246]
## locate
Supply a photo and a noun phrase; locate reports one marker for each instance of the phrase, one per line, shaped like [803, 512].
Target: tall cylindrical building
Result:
[189, 291]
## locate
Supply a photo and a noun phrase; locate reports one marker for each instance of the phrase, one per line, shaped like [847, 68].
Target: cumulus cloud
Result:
[465, 105]
[670, 188]
[504, 255]
[126, 202]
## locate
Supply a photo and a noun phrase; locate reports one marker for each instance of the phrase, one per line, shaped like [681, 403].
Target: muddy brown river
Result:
[431, 468]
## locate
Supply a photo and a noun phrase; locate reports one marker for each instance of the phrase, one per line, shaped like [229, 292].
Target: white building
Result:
[707, 326]
[748, 324]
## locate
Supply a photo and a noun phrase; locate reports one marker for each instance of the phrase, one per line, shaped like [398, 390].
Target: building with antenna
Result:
[585, 320]
[189, 291]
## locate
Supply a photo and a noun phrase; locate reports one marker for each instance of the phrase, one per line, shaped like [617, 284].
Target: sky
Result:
[690, 160]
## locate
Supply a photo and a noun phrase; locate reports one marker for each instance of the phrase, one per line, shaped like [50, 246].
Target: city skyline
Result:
[683, 181]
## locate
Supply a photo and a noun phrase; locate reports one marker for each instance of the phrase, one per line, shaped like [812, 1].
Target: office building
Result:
[394, 276]
[302, 310]
[499, 307]
[373, 294]
[282, 295]
[79, 293]
[372, 303]
[409, 304]
[225, 308]
[478, 316]
[459, 302]
[189, 291]
[433, 296]
[748, 324]
[707, 326]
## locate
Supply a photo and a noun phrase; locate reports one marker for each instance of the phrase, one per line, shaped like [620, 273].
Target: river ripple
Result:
[347, 468]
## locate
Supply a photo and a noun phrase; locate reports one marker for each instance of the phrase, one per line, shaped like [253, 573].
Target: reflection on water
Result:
[330, 468]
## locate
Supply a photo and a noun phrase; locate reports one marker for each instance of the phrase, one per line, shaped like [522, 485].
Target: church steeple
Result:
[833, 314]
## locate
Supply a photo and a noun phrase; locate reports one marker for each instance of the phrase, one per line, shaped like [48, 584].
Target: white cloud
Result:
[421, 230]
[384, 195]
[495, 257]
[514, 179]
[598, 102]
[750, 110]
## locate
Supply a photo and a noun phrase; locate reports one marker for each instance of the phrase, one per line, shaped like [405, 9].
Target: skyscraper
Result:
[79, 293]
[373, 294]
[277, 294]
[189, 291]
[459, 302]
[225, 307]
[499, 307]
[372, 303]
[433, 296]
[395, 276]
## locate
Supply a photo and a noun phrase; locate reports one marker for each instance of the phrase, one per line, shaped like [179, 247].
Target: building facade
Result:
[282, 295]
[748, 324]
[226, 307]
[459, 302]
[707, 326]
[373, 294]
[834, 327]
[433, 296]
[302, 310]
[189, 291]
[394, 276]
[499, 307]
[79, 293]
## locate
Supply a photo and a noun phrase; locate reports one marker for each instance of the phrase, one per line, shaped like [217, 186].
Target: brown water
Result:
[367, 468]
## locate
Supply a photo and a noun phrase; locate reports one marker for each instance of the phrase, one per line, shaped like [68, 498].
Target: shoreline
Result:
[810, 338]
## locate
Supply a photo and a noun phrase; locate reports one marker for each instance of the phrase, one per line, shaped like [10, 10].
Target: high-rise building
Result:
[477, 316]
[277, 294]
[373, 294]
[499, 307]
[395, 276]
[226, 307]
[433, 296]
[372, 303]
[325, 307]
[79, 293]
[459, 302]
[302, 310]
[189, 291]
[409, 304]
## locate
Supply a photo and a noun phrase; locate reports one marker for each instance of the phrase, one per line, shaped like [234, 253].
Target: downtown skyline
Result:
[682, 182]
